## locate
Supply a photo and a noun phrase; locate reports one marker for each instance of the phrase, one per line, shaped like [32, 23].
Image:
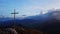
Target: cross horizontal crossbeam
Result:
[14, 13]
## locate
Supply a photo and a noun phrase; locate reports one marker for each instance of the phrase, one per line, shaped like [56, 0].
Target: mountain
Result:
[5, 19]
[47, 22]
[28, 22]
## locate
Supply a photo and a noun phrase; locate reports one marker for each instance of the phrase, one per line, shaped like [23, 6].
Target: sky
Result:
[26, 7]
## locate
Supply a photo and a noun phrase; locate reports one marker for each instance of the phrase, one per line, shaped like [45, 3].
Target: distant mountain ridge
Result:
[40, 22]
[25, 22]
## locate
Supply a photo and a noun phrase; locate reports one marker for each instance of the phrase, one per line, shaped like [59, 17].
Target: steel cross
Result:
[14, 13]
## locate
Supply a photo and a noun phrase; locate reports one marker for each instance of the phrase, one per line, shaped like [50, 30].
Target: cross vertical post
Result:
[14, 13]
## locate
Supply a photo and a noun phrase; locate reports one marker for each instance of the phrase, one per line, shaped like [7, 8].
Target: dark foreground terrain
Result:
[47, 27]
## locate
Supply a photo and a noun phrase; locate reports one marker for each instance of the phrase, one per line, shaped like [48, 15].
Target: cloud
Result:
[47, 4]
[37, 5]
